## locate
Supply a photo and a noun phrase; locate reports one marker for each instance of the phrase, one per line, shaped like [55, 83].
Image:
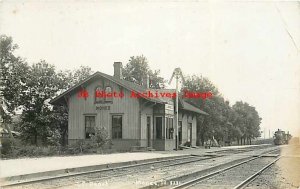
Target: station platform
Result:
[25, 166]
[14, 167]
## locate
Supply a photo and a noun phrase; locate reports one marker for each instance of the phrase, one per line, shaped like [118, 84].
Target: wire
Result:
[286, 27]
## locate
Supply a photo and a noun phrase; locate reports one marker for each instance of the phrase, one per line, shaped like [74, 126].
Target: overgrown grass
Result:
[12, 149]
[99, 143]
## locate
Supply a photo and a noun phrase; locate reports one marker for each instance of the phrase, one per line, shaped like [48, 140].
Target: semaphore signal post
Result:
[178, 75]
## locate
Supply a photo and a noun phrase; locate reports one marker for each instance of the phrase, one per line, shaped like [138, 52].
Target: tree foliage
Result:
[41, 86]
[137, 68]
[224, 123]
[31, 88]
[13, 75]
[247, 119]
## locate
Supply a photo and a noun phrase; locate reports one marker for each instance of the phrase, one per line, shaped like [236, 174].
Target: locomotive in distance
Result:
[281, 137]
[147, 94]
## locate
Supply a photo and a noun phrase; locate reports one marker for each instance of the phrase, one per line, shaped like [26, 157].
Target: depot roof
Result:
[128, 85]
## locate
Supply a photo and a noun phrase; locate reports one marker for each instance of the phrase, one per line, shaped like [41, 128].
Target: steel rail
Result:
[49, 178]
[122, 174]
[253, 177]
[42, 179]
[210, 175]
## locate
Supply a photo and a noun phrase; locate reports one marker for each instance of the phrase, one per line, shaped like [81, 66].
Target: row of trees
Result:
[225, 123]
[30, 88]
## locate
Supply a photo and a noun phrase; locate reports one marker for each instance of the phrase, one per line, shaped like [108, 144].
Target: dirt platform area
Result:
[284, 174]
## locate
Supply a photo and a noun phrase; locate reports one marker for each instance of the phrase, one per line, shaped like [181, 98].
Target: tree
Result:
[212, 125]
[80, 74]
[60, 112]
[31, 88]
[137, 68]
[13, 74]
[247, 121]
[41, 122]
[225, 123]
[41, 86]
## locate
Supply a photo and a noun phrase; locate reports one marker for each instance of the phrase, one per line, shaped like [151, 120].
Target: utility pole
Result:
[178, 74]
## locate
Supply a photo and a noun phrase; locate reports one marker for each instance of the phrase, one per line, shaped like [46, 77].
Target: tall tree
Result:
[225, 123]
[12, 79]
[247, 120]
[13, 75]
[137, 67]
[60, 112]
[42, 85]
[212, 125]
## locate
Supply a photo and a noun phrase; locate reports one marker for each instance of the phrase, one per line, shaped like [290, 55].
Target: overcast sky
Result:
[249, 49]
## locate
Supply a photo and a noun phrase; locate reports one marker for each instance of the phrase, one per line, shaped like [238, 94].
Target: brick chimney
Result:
[118, 70]
[146, 81]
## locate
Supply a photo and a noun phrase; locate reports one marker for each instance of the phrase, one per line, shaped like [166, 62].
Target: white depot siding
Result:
[187, 118]
[127, 107]
[194, 135]
[146, 111]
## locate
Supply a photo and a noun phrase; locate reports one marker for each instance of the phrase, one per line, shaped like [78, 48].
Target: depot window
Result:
[90, 125]
[117, 124]
[169, 128]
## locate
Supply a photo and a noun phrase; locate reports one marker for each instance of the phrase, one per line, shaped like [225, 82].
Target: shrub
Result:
[7, 146]
[100, 138]
[54, 139]
[15, 149]
[80, 146]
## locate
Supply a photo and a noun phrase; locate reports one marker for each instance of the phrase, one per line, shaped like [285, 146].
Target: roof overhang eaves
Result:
[56, 99]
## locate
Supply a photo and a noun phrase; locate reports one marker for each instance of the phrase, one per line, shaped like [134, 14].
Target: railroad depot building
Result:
[130, 122]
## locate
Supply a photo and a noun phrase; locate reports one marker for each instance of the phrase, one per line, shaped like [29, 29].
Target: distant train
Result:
[280, 137]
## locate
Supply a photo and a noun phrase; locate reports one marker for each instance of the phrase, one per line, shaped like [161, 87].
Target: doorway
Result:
[149, 131]
[180, 132]
[159, 127]
[190, 131]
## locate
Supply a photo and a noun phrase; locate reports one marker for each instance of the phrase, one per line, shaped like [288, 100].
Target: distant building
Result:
[144, 122]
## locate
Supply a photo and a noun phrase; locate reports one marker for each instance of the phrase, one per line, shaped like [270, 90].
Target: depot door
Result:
[148, 131]
[190, 132]
[180, 132]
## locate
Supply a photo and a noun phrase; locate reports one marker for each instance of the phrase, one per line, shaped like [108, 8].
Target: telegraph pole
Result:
[178, 74]
[176, 136]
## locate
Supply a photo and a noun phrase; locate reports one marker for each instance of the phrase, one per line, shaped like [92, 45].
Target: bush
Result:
[81, 146]
[54, 139]
[7, 146]
[100, 138]
[15, 149]
[33, 151]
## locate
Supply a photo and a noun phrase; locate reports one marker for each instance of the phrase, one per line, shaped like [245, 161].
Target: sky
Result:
[249, 49]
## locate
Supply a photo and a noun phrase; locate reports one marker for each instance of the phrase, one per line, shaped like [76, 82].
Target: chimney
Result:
[118, 70]
[146, 81]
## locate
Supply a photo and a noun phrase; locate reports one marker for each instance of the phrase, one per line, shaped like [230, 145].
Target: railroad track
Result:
[184, 177]
[237, 150]
[63, 180]
[236, 176]
[255, 175]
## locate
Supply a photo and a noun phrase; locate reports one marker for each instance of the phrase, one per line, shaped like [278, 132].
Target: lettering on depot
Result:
[147, 94]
